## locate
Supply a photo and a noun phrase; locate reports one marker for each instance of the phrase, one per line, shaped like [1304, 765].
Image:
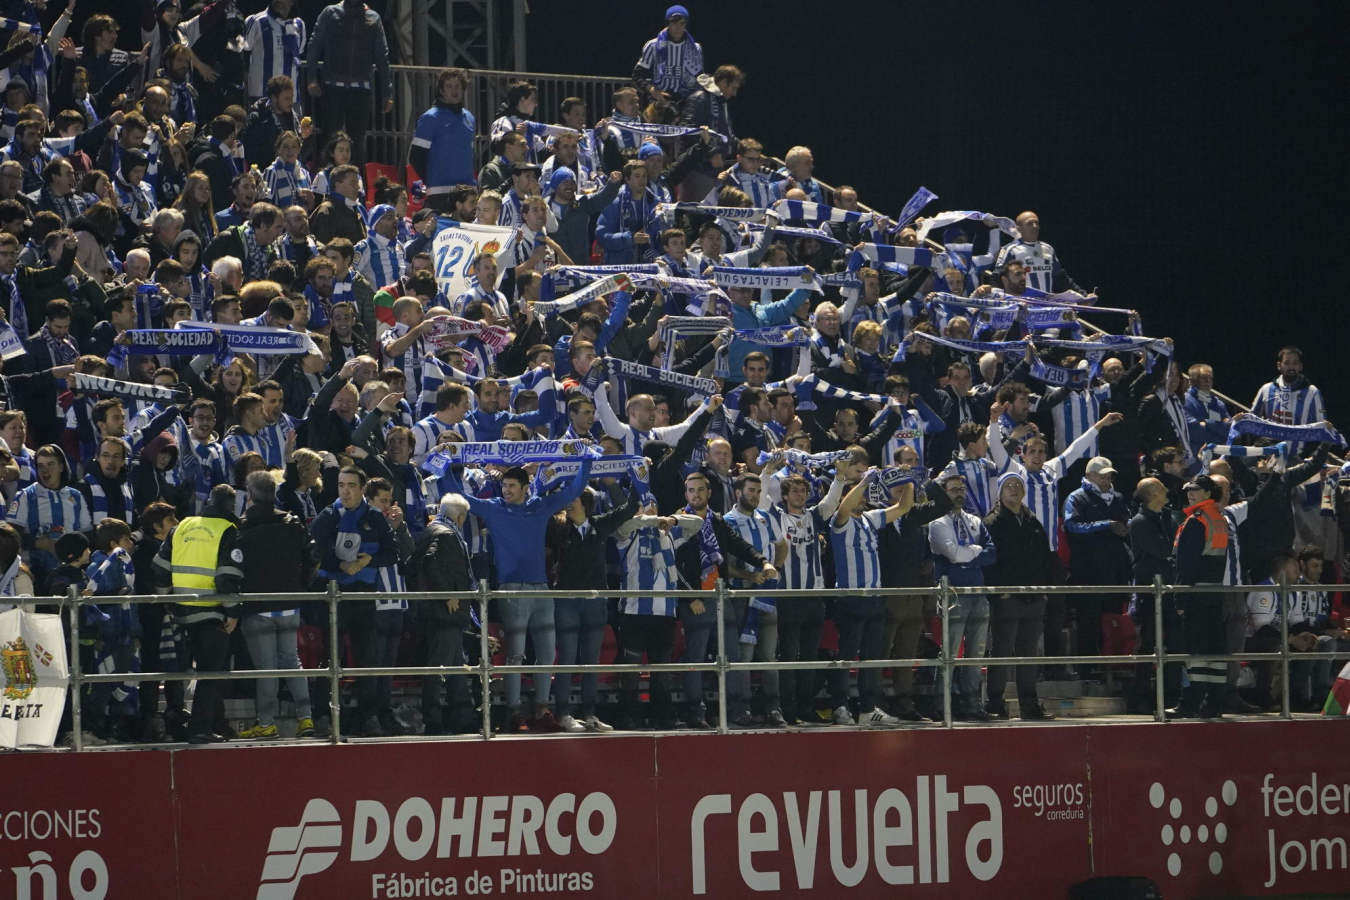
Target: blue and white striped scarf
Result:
[506, 453]
[776, 335]
[646, 129]
[626, 466]
[594, 291]
[678, 380]
[99, 499]
[1243, 451]
[814, 384]
[890, 254]
[1255, 425]
[816, 213]
[800, 459]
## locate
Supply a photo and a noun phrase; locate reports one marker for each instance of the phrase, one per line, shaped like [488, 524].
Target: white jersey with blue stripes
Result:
[857, 563]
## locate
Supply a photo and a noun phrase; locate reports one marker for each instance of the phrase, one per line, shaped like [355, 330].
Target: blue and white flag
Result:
[913, 206]
[816, 213]
[457, 246]
[777, 278]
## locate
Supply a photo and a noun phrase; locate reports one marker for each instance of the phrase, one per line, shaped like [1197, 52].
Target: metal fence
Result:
[947, 661]
[415, 92]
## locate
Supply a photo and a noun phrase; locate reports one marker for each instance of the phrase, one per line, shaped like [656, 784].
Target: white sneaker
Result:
[843, 717]
[593, 723]
[570, 725]
[879, 718]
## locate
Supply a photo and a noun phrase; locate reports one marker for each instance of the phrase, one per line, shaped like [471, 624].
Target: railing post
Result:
[485, 657]
[944, 608]
[76, 674]
[1284, 646]
[334, 665]
[1159, 652]
[721, 658]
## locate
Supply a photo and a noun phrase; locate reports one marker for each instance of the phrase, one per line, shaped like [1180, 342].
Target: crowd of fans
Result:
[767, 383]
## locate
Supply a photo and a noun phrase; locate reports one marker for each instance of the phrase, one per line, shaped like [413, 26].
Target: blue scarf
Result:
[507, 453]
[678, 380]
[168, 342]
[350, 545]
[802, 459]
[709, 551]
[816, 213]
[1255, 425]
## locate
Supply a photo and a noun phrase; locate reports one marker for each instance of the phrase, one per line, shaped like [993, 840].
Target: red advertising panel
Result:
[1216, 810]
[90, 825]
[538, 818]
[941, 813]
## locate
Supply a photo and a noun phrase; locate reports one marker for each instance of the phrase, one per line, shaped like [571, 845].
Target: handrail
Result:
[947, 661]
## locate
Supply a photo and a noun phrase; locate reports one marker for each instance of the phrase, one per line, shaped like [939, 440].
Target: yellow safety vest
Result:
[195, 551]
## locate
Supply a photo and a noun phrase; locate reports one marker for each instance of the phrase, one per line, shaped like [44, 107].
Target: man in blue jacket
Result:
[518, 521]
[442, 146]
[747, 314]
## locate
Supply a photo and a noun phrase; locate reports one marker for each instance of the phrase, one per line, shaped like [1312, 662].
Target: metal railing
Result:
[415, 92]
[947, 661]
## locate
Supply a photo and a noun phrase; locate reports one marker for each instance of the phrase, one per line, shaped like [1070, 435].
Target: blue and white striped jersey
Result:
[856, 563]
[647, 562]
[675, 67]
[1043, 485]
[1081, 409]
[426, 435]
[409, 362]
[275, 46]
[1285, 404]
[380, 259]
[760, 530]
[285, 181]
[45, 513]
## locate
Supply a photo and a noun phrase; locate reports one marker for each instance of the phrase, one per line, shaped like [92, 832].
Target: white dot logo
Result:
[1177, 835]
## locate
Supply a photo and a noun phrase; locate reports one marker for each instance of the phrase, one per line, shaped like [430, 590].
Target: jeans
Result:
[453, 710]
[698, 632]
[377, 637]
[272, 645]
[862, 634]
[580, 625]
[536, 616]
[764, 649]
[1016, 625]
[800, 621]
[969, 621]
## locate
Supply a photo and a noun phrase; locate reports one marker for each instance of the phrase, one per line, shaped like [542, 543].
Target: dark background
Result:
[1188, 160]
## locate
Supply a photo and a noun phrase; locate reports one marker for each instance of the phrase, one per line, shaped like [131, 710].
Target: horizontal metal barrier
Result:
[947, 661]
